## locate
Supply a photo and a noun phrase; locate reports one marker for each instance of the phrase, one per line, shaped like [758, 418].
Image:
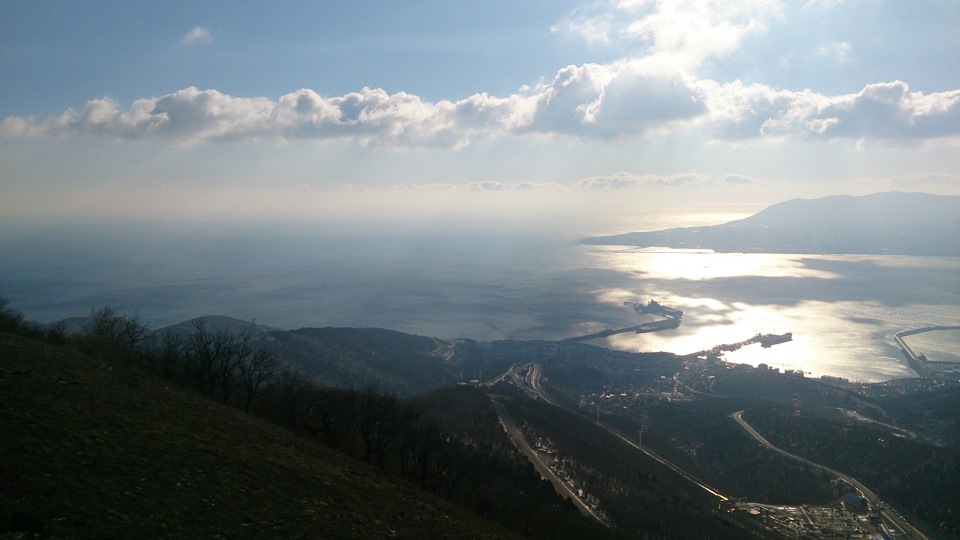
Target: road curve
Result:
[884, 510]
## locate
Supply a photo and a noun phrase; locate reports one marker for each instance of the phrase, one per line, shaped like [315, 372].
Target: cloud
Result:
[594, 29]
[369, 116]
[626, 180]
[881, 111]
[197, 35]
[692, 30]
[483, 185]
[624, 99]
[738, 179]
[823, 3]
[923, 179]
[838, 51]
[620, 99]
[889, 111]
[683, 32]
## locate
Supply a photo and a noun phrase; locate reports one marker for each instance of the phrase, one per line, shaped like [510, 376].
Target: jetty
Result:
[919, 362]
[654, 326]
[765, 340]
[671, 319]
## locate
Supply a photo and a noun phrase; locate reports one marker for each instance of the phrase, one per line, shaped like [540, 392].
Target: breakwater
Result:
[919, 362]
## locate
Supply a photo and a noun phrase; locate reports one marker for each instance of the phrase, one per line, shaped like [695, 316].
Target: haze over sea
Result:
[498, 281]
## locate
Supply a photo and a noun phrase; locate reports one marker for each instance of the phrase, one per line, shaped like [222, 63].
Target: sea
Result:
[497, 282]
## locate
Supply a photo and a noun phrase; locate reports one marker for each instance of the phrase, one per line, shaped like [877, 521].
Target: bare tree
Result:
[290, 396]
[113, 334]
[10, 319]
[260, 368]
[132, 333]
[226, 348]
[167, 357]
[200, 357]
[56, 332]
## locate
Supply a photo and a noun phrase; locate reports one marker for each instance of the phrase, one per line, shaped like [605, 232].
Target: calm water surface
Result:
[843, 310]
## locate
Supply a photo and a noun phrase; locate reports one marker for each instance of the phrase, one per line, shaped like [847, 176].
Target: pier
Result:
[919, 363]
[765, 340]
[655, 326]
[671, 319]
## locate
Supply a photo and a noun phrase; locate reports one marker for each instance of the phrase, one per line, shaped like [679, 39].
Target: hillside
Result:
[360, 357]
[882, 223]
[94, 450]
[218, 323]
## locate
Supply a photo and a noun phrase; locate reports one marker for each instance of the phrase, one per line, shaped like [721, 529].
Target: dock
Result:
[918, 363]
[655, 326]
[671, 319]
[765, 340]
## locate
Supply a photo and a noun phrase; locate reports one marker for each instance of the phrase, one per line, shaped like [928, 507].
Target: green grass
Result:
[91, 449]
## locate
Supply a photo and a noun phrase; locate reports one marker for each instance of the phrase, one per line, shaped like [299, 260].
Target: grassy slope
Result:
[91, 449]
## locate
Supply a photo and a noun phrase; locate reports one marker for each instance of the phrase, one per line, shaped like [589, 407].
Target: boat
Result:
[657, 308]
[769, 340]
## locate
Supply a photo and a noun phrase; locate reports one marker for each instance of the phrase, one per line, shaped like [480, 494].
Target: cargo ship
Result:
[769, 340]
[656, 308]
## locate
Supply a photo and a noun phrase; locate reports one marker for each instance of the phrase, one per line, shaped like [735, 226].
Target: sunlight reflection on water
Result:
[842, 310]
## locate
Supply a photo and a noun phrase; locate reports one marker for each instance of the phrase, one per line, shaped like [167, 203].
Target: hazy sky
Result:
[170, 110]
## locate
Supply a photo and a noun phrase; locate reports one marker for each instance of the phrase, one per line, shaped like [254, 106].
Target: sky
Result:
[539, 110]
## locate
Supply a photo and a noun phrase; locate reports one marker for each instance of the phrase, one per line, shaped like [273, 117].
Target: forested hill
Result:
[94, 449]
[881, 223]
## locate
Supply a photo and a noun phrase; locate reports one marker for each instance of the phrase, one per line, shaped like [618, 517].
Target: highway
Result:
[506, 420]
[891, 519]
[668, 464]
[532, 383]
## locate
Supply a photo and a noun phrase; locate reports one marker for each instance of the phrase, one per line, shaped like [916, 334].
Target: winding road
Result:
[893, 520]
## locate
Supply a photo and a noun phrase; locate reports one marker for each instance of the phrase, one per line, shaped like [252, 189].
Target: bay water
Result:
[497, 283]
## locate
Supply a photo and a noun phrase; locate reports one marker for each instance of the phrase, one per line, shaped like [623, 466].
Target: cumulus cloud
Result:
[881, 111]
[591, 101]
[197, 35]
[888, 111]
[653, 92]
[370, 116]
[620, 99]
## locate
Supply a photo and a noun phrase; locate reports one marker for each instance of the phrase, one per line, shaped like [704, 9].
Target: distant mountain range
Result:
[882, 223]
